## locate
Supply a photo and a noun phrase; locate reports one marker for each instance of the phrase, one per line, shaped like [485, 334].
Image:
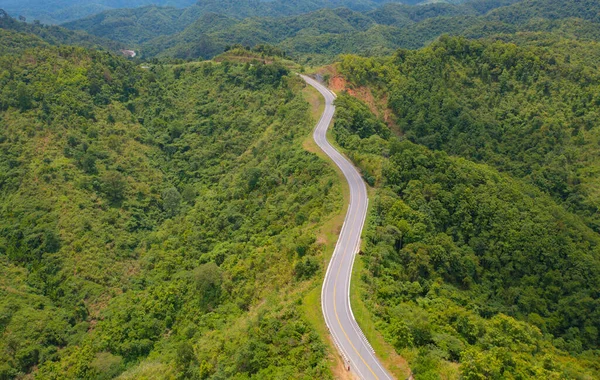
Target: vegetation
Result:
[54, 35]
[156, 221]
[139, 24]
[164, 219]
[59, 11]
[497, 271]
[322, 34]
[527, 111]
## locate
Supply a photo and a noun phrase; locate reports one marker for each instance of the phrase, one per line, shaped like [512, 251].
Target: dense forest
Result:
[54, 35]
[57, 11]
[495, 265]
[156, 220]
[134, 25]
[318, 37]
[528, 111]
[61, 11]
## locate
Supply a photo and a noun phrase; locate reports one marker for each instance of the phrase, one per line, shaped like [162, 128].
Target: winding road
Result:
[335, 294]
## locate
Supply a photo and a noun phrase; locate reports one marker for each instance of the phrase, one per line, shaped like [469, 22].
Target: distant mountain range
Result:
[56, 35]
[196, 32]
[59, 11]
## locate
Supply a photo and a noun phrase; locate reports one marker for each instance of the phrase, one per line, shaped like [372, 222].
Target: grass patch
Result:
[393, 362]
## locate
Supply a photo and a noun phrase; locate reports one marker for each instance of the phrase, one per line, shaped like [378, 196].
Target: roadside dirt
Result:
[378, 106]
[339, 369]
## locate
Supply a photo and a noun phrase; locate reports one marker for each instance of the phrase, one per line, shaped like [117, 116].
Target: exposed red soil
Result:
[378, 106]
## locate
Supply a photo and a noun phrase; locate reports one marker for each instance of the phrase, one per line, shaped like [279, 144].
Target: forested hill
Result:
[529, 111]
[321, 35]
[157, 21]
[156, 221]
[141, 24]
[488, 269]
[58, 11]
[55, 35]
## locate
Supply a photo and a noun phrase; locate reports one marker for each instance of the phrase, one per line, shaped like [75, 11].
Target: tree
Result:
[23, 97]
[402, 335]
[189, 194]
[208, 279]
[171, 201]
[306, 268]
[114, 185]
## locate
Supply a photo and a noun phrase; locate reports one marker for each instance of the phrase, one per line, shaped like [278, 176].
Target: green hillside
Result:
[55, 35]
[495, 266]
[59, 11]
[322, 34]
[531, 112]
[135, 25]
[319, 36]
[156, 221]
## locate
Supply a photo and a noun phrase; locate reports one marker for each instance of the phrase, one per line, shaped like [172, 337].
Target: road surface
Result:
[335, 294]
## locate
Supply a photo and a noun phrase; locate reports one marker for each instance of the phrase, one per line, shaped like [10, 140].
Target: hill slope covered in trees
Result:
[495, 265]
[55, 35]
[156, 221]
[58, 11]
[321, 35]
[198, 31]
[125, 24]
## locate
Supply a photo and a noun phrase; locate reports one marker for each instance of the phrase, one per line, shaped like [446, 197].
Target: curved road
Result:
[335, 294]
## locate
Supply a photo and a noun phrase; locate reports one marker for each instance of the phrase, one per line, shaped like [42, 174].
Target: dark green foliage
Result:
[114, 186]
[322, 34]
[355, 118]
[171, 201]
[479, 243]
[208, 279]
[495, 271]
[306, 268]
[65, 10]
[523, 110]
[54, 35]
[130, 25]
[185, 360]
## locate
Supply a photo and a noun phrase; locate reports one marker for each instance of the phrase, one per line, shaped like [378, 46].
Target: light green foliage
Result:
[150, 219]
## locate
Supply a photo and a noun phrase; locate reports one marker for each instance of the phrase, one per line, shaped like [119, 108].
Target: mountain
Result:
[483, 251]
[56, 35]
[326, 31]
[59, 11]
[320, 36]
[529, 143]
[160, 220]
[137, 25]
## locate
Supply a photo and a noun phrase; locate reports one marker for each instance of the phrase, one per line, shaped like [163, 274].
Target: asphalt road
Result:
[335, 294]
